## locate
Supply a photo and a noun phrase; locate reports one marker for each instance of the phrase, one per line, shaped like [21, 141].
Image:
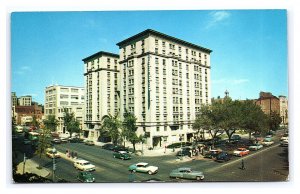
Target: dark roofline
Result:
[150, 31]
[100, 54]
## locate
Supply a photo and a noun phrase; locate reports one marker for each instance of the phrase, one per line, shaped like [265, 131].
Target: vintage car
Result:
[122, 155]
[267, 142]
[84, 165]
[86, 177]
[186, 173]
[143, 167]
[52, 154]
[223, 157]
[241, 152]
[89, 142]
[212, 153]
[284, 143]
[255, 147]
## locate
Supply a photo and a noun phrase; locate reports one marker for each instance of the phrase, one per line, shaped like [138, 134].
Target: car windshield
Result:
[86, 163]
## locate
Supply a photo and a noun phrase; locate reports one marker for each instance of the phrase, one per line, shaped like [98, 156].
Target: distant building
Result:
[14, 99]
[283, 109]
[24, 114]
[268, 103]
[101, 75]
[58, 98]
[25, 100]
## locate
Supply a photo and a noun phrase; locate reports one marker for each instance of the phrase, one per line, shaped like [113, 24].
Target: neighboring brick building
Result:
[27, 112]
[268, 103]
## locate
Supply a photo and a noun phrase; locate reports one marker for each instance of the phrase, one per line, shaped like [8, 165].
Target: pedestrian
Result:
[243, 165]
[75, 155]
[68, 153]
[72, 154]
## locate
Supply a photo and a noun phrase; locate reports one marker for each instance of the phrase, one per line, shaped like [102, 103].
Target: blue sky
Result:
[249, 46]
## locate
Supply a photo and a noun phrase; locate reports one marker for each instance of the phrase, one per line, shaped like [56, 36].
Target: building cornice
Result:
[100, 54]
[149, 32]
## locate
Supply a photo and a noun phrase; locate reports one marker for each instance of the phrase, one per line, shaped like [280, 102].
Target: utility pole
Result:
[24, 161]
[54, 164]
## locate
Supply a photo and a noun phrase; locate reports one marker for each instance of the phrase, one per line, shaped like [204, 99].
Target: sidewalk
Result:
[32, 167]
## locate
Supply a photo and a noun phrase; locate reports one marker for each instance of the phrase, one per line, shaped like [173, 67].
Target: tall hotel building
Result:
[163, 82]
[101, 75]
[58, 97]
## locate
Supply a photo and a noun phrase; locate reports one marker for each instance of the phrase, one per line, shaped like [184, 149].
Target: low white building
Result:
[58, 98]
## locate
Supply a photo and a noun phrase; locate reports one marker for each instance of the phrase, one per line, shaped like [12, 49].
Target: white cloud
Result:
[217, 17]
[22, 70]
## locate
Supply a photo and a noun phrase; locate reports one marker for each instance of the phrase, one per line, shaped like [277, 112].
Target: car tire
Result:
[149, 172]
[114, 156]
[133, 170]
[198, 178]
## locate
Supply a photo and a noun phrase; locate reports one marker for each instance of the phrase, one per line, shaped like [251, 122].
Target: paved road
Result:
[269, 164]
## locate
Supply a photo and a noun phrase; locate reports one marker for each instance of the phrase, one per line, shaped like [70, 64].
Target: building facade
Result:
[268, 103]
[14, 99]
[101, 76]
[25, 101]
[58, 98]
[163, 82]
[24, 114]
[283, 109]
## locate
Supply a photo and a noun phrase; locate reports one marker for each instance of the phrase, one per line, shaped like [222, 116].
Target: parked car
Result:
[212, 153]
[255, 147]
[26, 142]
[108, 146]
[223, 157]
[241, 152]
[122, 155]
[235, 138]
[86, 177]
[84, 165]
[89, 142]
[64, 140]
[267, 142]
[284, 137]
[269, 136]
[187, 173]
[118, 148]
[52, 154]
[143, 167]
[75, 140]
[56, 141]
[186, 151]
[284, 143]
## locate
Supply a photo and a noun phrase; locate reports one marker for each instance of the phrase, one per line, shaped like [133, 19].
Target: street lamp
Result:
[54, 164]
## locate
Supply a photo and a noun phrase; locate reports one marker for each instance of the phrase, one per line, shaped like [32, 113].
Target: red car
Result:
[241, 152]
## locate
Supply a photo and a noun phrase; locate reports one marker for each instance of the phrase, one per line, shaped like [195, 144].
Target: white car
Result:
[284, 143]
[84, 165]
[284, 138]
[267, 142]
[143, 167]
[52, 154]
[256, 147]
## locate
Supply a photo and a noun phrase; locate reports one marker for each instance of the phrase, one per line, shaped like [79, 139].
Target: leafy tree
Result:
[51, 123]
[230, 116]
[274, 120]
[35, 121]
[253, 119]
[111, 125]
[43, 142]
[203, 121]
[70, 122]
[129, 127]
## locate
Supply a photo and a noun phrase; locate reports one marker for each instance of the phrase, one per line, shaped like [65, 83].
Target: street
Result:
[268, 164]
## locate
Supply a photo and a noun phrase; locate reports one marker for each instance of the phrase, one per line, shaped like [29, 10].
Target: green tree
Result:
[51, 123]
[230, 116]
[35, 122]
[203, 122]
[274, 121]
[111, 125]
[70, 122]
[253, 119]
[129, 128]
[43, 141]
